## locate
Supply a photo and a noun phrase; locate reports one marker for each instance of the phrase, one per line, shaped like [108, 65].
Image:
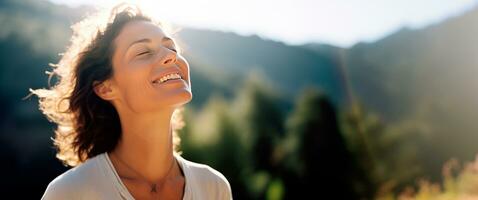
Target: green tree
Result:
[212, 138]
[256, 111]
[391, 154]
[318, 160]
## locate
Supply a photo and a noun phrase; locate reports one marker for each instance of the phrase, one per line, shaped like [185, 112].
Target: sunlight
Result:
[341, 23]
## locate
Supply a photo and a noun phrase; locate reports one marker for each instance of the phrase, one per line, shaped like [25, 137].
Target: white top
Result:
[97, 179]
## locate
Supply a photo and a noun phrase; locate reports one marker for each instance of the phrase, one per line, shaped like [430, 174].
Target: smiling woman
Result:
[121, 85]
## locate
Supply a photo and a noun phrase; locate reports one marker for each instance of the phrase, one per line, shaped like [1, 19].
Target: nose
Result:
[168, 57]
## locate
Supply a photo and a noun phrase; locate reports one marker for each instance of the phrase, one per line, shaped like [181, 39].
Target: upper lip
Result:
[166, 72]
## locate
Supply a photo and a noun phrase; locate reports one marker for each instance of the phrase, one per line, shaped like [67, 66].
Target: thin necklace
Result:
[153, 185]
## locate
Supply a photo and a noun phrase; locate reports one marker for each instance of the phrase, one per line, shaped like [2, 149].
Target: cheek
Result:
[132, 78]
[184, 67]
[133, 84]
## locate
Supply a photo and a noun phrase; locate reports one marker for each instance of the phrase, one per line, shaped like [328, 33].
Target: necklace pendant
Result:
[153, 188]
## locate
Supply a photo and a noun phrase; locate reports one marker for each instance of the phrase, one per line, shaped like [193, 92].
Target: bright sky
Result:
[338, 22]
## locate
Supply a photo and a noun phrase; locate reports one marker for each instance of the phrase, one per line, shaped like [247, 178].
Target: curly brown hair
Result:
[87, 124]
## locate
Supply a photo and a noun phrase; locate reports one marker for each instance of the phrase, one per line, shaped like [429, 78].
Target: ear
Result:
[104, 90]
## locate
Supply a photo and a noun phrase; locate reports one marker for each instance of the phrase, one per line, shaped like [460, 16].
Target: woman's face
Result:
[148, 73]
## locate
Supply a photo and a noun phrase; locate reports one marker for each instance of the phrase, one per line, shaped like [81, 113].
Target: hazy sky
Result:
[337, 22]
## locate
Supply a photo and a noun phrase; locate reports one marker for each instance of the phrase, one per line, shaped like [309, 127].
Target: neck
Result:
[146, 144]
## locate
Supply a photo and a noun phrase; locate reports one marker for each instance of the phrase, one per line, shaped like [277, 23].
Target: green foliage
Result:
[275, 190]
[389, 153]
[247, 141]
[238, 137]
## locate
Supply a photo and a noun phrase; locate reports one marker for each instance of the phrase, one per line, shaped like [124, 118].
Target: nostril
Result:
[167, 61]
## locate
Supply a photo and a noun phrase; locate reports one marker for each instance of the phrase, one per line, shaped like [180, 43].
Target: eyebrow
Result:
[165, 38]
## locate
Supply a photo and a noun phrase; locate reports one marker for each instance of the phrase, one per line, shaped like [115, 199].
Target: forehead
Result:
[136, 30]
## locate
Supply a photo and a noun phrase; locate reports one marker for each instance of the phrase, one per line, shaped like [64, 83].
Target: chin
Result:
[188, 96]
[182, 98]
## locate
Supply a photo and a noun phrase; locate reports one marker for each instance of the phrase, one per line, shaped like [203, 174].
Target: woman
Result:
[120, 85]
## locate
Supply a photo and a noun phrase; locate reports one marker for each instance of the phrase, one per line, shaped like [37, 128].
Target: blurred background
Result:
[292, 99]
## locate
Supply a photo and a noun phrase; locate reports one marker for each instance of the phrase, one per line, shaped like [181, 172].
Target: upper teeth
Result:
[168, 77]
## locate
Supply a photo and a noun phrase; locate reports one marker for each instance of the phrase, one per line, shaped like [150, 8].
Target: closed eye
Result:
[143, 53]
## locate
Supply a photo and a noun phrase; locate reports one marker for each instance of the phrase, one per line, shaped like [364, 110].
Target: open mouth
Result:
[166, 78]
